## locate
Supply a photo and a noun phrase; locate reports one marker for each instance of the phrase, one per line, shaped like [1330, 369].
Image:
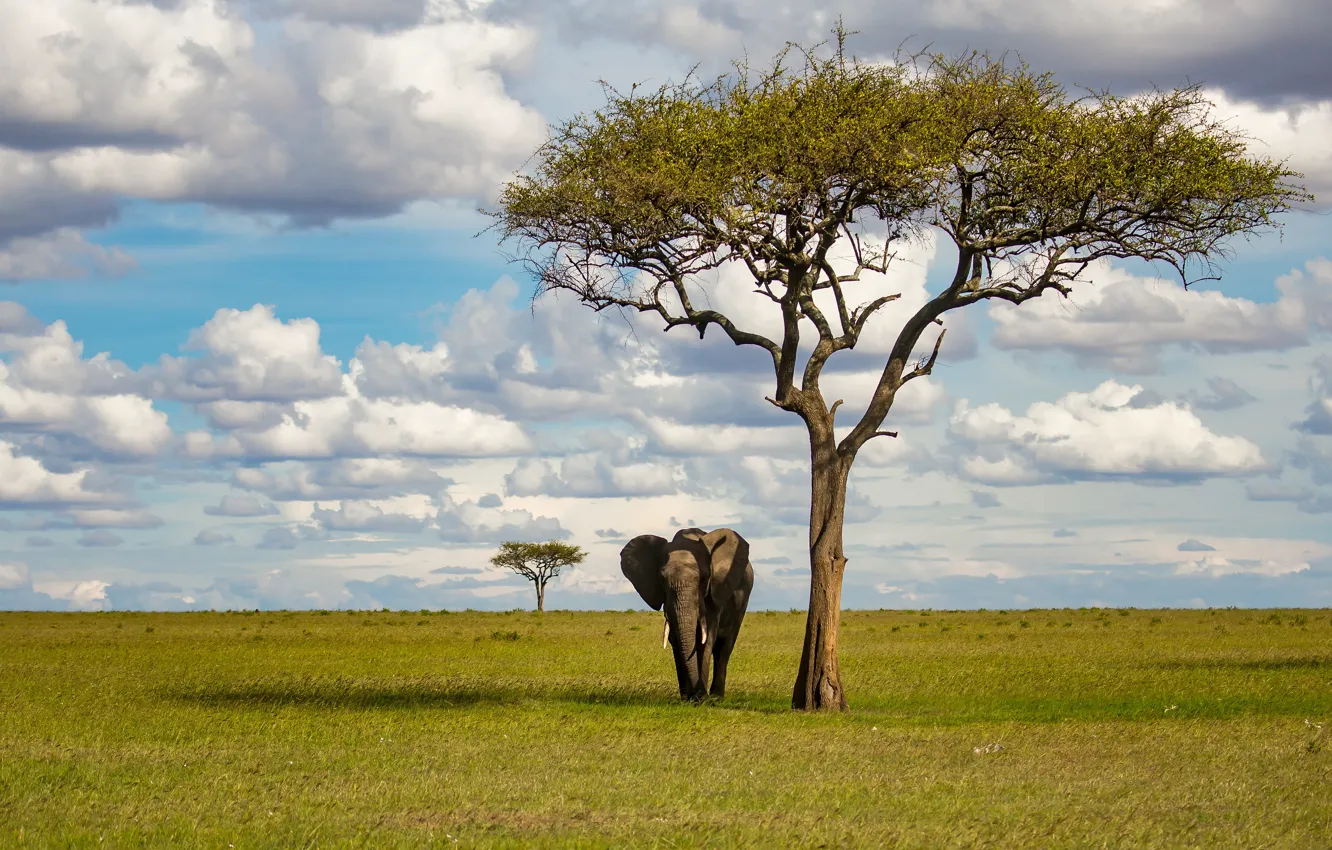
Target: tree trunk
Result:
[818, 685]
[541, 597]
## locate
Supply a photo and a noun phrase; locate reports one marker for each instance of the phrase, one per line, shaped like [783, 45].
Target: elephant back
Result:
[731, 569]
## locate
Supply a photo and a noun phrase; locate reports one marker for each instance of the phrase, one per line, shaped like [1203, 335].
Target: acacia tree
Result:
[629, 206]
[537, 562]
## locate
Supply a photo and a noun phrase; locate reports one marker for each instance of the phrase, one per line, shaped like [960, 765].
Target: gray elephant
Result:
[703, 580]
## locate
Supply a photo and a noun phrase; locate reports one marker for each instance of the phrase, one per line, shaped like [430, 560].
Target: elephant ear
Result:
[641, 561]
[730, 560]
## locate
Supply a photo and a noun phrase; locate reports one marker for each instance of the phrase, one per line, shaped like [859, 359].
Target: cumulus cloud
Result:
[1117, 320]
[364, 516]
[1212, 565]
[592, 476]
[1094, 435]
[557, 359]
[351, 427]
[249, 356]
[1193, 544]
[151, 596]
[13, 576]
[984, 499]
[62, 253]
[468, 522]
[26, 483]
[213, 537]
[1267, 52]
[253, 361]
[1305, 498]
[187, 102]
[48, 388]
[290, 536]
[1318, 415]
[350, 478]
[1290, 131]
[1312, 454]
[404, 592]
[110, 518]
[241, 506]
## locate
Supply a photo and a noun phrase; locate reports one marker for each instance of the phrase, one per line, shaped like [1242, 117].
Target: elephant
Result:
[703, 580]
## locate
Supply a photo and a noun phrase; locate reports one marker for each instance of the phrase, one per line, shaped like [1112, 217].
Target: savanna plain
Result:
[1050, 728]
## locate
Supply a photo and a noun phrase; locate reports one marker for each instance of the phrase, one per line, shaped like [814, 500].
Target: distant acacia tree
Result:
[538, 562]
[630, 206]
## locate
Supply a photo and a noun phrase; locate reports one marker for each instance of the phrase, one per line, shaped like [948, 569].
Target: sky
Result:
[256, 350]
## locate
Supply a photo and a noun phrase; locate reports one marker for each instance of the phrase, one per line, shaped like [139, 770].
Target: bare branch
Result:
[927, 365]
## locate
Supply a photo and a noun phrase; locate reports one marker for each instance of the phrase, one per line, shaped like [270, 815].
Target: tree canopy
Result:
[628, 206]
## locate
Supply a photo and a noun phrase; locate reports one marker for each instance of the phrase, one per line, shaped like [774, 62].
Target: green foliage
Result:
[330, 733]
[772, 169]
[537, 562]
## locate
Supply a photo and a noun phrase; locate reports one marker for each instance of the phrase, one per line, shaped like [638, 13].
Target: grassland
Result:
[1038, 728]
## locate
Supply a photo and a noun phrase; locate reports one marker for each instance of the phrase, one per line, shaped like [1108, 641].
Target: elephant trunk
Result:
[686, 636]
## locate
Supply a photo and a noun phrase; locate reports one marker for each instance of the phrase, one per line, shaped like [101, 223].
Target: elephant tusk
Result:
[666, 634]
[705, 634]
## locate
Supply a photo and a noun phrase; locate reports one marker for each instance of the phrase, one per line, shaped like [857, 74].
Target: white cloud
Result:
[83, 595]
[47, 386]
[249, 356]
[351, 478]
[25, 482]
[365, 516]
[1123, 321]
[187, 102]
[243, 505]
[1211, 565]
[675, 438]
[61, 253]
[593, 475]
[290, 536]
[1094, 435]
[34, 200]
[1293, 132]
[1318, 415]
[273, 393]
[122, 424]
[468, 522]
[351, 426]
[13, 576]
[213, 537]
[114, 518]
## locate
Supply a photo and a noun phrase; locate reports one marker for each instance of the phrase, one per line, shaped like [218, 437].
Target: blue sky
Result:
[256, 355]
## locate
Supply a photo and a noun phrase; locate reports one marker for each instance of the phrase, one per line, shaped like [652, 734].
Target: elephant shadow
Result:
[413, 695]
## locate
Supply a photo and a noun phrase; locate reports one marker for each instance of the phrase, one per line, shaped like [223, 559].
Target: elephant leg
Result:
[704, 663]
[683, 672]
[728, 629]
[721, 656]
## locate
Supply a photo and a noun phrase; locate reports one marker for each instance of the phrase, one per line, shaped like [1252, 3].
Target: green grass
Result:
[1114, 728]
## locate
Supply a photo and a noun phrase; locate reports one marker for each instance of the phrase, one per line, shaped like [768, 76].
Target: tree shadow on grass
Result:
[1257, 664]
[344, 693]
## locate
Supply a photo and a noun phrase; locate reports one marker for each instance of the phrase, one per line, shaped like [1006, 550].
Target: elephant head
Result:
[699, 578]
